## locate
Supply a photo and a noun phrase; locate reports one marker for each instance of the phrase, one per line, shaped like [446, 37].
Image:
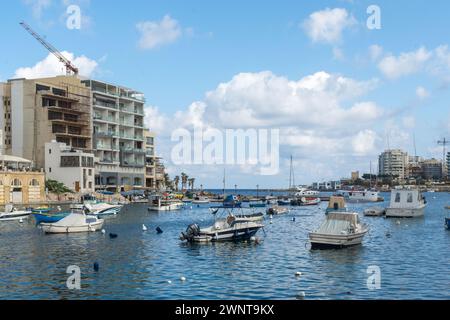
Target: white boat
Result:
[200, 200]
[406, 203]
[304, 192]
[360, 196]
[77, 221]
[12, 213]
[276, 210]
[164, 203]
[103, 209]
[231, 228]
[374, 212]
[339, 230]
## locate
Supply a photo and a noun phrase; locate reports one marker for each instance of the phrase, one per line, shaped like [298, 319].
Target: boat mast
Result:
[223, 183]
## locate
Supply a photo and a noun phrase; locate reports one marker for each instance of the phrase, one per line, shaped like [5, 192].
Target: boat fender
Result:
[113, 235]
[182, 279]
[96, 266]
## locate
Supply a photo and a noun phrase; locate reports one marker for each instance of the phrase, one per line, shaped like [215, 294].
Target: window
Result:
[34, 183]
[90, 184]
[46, 102]
[16, 183]
[70, 161]
[410, 197]
[397, 197]
[1, 182]
[49, 151]
[49, 169]
[90, 172]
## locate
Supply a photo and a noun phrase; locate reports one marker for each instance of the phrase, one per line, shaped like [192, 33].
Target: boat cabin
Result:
[406, 198]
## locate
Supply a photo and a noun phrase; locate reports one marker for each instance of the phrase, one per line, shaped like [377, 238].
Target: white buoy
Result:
[271, 217]
[169, 281]
[144, 228]
[298, 274]
[103, 231]
[398, 222]
[183, 279]
[271, 221]
[21, 220]
[253, 238]
[301, 295]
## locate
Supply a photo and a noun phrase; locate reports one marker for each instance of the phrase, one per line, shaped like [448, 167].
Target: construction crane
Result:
[70, 68]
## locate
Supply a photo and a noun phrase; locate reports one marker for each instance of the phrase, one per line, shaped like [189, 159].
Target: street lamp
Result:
[257, 190]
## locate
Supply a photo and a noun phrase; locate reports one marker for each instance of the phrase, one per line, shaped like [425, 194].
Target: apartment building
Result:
[150, 162]
[393, 163]
[72, 167]
[118, 135]
[36, 111]
[431, 169]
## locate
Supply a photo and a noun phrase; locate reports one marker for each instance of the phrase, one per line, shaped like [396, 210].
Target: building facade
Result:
[448, 165]
[118, 136]
[33, 112]
[150, 161]
[393, 163]
[431, 169]
[72, 167]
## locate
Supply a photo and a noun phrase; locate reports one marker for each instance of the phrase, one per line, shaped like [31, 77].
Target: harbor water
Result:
[412, 256]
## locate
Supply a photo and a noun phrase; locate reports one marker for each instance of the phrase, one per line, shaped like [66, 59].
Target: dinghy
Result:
[274, 211]
[374, 212]
[77, 221]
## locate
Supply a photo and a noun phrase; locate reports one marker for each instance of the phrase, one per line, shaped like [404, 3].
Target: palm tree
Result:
[191, 182]
[184, 179]
[167, 182]
[176, 181]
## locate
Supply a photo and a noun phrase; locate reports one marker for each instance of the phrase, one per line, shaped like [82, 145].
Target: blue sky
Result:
[212, 42]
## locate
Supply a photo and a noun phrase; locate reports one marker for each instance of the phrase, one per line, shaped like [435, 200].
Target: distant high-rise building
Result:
[393, 163]
[432, 169]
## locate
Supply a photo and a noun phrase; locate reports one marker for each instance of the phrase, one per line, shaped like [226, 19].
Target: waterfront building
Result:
[160, 172]
[393, 163]
[36, 111]
[327, 185]
[150, 161]
[118, 136]
[355, 175]
[20, 183]
[72, 167]
[432, 169]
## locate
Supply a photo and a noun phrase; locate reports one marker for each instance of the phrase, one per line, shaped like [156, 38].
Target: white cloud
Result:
[409, 122]
[51, 66]
[422, 93]
[158, 33]
[327, 26]
[38, 7]
[405, 64]
[364, 142]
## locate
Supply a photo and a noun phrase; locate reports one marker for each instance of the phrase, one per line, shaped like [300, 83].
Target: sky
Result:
[337, 91]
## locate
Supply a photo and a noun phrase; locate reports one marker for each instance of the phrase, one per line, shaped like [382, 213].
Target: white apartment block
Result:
[72, 167]
[118, 136]
[393, 163]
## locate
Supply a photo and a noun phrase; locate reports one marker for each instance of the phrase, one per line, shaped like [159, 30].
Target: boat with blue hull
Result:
[47, 217]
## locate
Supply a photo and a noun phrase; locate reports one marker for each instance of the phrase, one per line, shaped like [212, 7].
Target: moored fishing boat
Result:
[257, 205]
[406, 203]
[305, 192]
[47, 217]
[164, 203]
[336, 204]
[284, 202]
[200, 200]
[339, 230]
[361, 195]
[11, 214]
[76, 221]
[309, 201]
[103, 209]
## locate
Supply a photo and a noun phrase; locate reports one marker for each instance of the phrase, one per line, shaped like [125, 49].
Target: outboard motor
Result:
[191, 231]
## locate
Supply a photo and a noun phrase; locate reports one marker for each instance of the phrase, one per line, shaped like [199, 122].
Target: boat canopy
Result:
[336, 202]
[337, 223]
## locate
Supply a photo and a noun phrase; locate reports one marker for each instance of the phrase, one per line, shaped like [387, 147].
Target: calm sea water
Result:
[414, 260]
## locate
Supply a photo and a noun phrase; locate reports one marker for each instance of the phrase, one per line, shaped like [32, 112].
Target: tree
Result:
[57, 187]
[167, 182]
[176, 181]
[191, 182]
[184, 179]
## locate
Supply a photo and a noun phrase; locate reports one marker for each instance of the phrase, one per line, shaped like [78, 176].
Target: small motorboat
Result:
[339, 230]
[257, 205]
[200, 200]
[103, 209]
[231, 228]
[76, 221]
[336, 204]
[374, 212]
[284, 202]
[309, 201]
[274, 211]
[12, 213]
